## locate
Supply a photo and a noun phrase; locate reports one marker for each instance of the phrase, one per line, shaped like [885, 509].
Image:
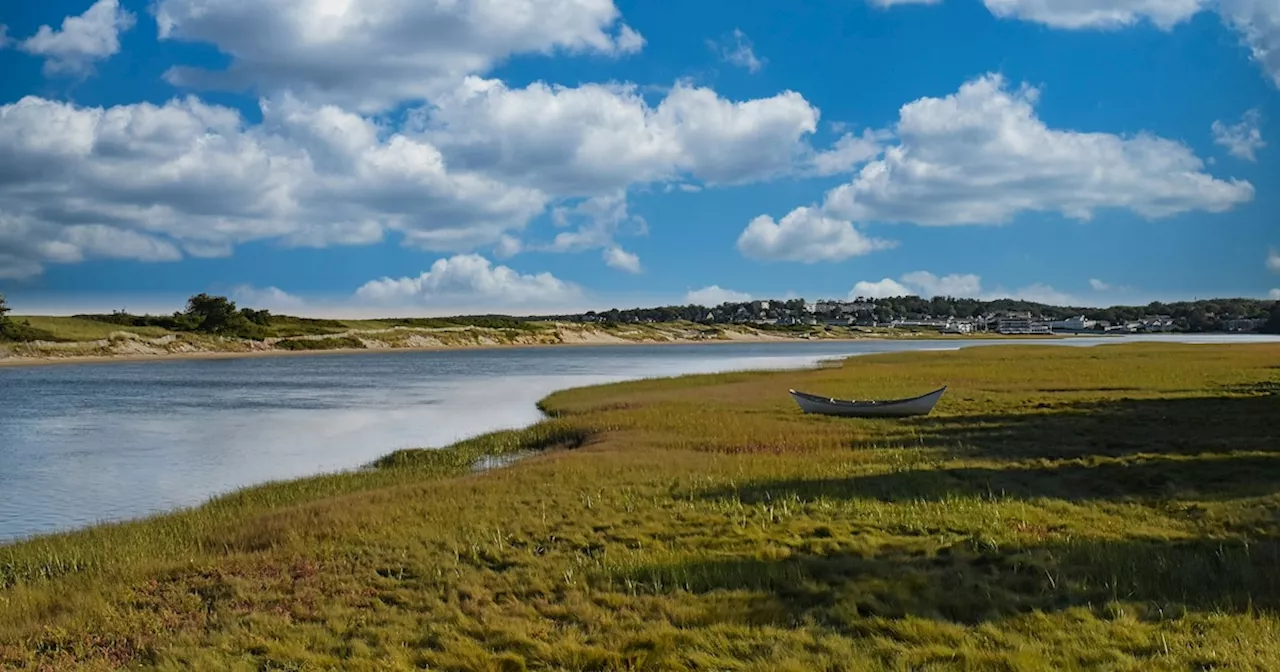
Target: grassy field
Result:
[83, 329]
[1115, 508]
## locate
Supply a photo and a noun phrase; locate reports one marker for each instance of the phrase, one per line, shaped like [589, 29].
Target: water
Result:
[86, 443]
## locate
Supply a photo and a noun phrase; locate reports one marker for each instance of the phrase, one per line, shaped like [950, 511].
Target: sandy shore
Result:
[21, 361]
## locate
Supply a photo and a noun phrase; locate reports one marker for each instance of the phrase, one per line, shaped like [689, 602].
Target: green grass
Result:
[334, 343]
[1114, 507]
[83, 329]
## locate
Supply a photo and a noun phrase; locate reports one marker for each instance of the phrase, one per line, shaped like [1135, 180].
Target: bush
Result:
[321, 344]
[23, 332]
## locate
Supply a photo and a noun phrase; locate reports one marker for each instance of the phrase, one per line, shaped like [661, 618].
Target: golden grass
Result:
[1064, 508]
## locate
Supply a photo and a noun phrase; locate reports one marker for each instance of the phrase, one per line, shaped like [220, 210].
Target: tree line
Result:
[1193, 316]
[219, 315]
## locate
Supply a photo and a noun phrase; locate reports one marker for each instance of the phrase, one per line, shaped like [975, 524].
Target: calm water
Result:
[93, 442]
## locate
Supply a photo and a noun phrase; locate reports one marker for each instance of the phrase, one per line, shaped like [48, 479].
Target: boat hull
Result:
[922, 405]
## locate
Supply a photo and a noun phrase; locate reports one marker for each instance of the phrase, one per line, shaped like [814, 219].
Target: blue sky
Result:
[349, 158]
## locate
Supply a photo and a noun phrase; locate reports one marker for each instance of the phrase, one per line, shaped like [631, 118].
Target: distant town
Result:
[963, 316]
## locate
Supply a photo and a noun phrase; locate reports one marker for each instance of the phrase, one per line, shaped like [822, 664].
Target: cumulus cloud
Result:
[82, 40]
[1258, 23]
[595, 138]
[1165, 14]
[738, 51]
[982, 156]
[880, 289]
[616, 257]
[273, 299]
[507, 247]
[808, 236]
[1273, 260]
[26, 246]
[1242, 140]
[1275, 294]
[715, 295]
[849, 151]
[1037, 293]
[967, 286]
[595, 223]
[193, 175]
[469, 279]
[372, 55]
[470, 169]
[1099, 285]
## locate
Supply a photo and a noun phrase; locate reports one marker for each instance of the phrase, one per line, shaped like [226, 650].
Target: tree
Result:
[213, 315]
[4, 311]
[1272, 325]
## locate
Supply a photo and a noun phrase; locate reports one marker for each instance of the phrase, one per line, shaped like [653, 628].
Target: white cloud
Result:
[1099, 285]
[806, 235]
[965, 286]
[850, 151]
[957, 285]
[1242, 140]
[1097, 13]
[881, 289]
[1258, 23]
[981, 156]
[1037, 293]
[469, 280]
[740, 52]
[714, 296]
[4, 36]
[616, 257]
[371, 55]
[193, 175]
[507, 247]
[600, 220]
[1275, 294]
[26, 245]
[1273, 260]
[273, 299]
[596, 139]
[83, 39]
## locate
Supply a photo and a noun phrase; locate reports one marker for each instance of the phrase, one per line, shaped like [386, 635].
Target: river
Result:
[87, 443]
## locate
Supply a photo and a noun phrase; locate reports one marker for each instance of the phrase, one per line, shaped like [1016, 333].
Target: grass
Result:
[1115, 507]
[334, 343]
[83, 329]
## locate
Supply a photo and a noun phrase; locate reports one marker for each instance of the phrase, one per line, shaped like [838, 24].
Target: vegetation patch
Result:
[1063, 508]
[333, 343]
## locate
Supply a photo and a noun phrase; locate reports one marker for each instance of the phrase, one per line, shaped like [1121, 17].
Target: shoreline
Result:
[18, 361]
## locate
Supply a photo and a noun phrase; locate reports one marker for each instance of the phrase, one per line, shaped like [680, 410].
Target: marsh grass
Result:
[1104, 508]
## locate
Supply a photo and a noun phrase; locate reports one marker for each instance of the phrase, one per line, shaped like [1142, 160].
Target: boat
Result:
[921, 405]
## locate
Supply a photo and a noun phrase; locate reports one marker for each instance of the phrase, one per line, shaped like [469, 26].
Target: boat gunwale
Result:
[869, 403]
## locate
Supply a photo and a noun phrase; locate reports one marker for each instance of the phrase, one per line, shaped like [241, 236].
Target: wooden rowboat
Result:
[922, 405]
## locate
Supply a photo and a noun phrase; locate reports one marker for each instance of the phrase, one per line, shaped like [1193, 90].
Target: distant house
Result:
[1022, 326]
[1241, 325]
[1078, 323]
[958, 327]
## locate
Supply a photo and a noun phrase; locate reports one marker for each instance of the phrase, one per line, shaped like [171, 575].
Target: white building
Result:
[1022, 326]
[1078, 323]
